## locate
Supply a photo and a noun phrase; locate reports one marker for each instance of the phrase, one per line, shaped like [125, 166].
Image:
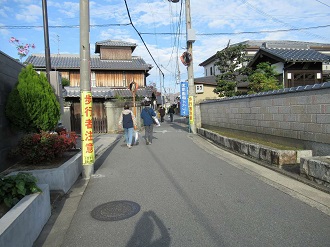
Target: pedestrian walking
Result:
[161, 113]
[146, 114]
[171, 112]
[127, 121]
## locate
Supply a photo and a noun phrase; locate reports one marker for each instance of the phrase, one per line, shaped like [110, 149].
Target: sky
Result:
[160, 28]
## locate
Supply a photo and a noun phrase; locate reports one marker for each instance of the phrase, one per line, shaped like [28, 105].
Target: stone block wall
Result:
[9, 70]
[301, 113]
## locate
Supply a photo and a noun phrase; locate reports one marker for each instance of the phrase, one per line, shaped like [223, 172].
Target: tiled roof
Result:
[297, 55]
[283, 44]
[208, 80]
[71, 61]
[275, 44]
[113, 43]
[106, 92]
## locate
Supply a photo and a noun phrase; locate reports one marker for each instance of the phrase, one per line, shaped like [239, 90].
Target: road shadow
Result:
[100, 160]
[145, 232]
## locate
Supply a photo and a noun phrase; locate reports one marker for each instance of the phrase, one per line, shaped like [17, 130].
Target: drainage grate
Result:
[116, 210]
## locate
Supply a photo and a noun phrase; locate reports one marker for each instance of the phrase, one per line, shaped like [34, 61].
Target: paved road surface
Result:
[190, 193]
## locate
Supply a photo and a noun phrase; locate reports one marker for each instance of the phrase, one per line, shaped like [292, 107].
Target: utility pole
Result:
[86, 99]
[46, 39]
[191, 92]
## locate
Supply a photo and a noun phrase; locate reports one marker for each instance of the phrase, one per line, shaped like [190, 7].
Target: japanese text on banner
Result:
[87, 141]
[191, 109]
[184, 99]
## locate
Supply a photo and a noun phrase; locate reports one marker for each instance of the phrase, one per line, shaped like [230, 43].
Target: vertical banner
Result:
[191, 109]
[87, 142]
[184, 99]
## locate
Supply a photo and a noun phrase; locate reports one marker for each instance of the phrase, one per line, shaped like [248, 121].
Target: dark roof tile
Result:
[300, 55]
[70, 61]
[106, 92]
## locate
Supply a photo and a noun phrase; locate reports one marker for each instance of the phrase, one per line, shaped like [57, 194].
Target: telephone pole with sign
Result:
[86, 99]
[186, 59]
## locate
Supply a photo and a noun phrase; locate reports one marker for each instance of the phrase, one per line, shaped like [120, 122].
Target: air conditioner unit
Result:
[199, 88]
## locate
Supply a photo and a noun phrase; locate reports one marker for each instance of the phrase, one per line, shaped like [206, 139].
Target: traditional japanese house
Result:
[113, 68]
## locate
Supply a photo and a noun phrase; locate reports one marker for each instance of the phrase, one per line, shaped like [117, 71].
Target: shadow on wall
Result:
[9, 71]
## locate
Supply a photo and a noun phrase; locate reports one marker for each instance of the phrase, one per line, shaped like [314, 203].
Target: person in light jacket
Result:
[146, 114]
[127, 121]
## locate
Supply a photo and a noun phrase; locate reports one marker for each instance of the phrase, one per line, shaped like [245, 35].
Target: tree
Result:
[263, 79]
[230, 62]
[65, 82]
[32, 105]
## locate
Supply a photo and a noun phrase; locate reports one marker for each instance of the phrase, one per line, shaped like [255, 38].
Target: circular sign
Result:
[133, 86]
[186, 58]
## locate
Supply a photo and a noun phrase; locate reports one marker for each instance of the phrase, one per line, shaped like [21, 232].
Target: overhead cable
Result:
[245, 32]
[131, 23]
[59, 26]
[322, 3]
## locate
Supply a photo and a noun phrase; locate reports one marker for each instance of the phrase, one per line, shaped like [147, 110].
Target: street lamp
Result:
[190, 39]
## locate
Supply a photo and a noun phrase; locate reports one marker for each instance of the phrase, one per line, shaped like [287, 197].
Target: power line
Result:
[246, 32]
[322, 3]
[170, 33]
[261, 12]
[131, 23]
[59, 26]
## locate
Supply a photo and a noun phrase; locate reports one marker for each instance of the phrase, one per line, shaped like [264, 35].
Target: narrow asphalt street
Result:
[182, 191]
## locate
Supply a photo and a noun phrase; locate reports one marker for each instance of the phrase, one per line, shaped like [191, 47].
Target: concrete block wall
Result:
[301, 113]
[9, 71]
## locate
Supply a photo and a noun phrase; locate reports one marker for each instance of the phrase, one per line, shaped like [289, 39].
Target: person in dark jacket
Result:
[171, 112]
[146, 114]
[161, 113]
[127, 121]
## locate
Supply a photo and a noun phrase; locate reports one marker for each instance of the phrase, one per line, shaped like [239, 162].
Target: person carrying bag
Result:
[147, 115]
[127, 121]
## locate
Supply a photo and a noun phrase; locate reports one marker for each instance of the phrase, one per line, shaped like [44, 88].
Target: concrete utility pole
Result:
[46, 39]
[191, 92]
[86, 99]
[190, 39]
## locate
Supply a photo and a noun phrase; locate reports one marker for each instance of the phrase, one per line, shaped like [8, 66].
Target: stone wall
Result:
[9, 70]
[301, 114]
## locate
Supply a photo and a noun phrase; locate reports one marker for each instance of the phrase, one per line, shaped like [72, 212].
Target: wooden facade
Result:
[117, 53]
[104, 78]
[113, 69]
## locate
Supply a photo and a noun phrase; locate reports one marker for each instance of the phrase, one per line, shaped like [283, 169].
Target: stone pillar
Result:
[66, 116]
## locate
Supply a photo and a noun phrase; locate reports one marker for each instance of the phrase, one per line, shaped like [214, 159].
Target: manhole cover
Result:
[116, 210]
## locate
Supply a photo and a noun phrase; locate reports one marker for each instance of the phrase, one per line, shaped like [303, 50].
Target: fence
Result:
[99, 125]
[301, 113]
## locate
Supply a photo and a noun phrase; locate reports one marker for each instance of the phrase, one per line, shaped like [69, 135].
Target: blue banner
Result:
[184, 111]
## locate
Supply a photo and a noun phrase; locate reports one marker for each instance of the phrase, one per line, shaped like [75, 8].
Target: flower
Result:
[22, 50]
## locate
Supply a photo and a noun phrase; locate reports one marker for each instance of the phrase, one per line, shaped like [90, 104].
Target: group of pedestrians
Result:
[127, 122]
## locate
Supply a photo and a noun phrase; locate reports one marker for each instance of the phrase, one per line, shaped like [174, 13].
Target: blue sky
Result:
[215, 22]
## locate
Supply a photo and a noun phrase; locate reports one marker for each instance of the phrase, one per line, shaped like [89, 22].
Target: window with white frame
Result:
[199, 88]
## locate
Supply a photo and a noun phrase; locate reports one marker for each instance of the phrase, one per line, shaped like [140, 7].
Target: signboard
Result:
[191, 109]
[87, 143]
[184, 99]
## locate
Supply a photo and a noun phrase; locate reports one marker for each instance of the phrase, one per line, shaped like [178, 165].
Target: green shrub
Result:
[13, 188]
[38, 148]
[32, 105]
[65, 82]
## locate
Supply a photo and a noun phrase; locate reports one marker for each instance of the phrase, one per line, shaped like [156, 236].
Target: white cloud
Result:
[29, 13]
